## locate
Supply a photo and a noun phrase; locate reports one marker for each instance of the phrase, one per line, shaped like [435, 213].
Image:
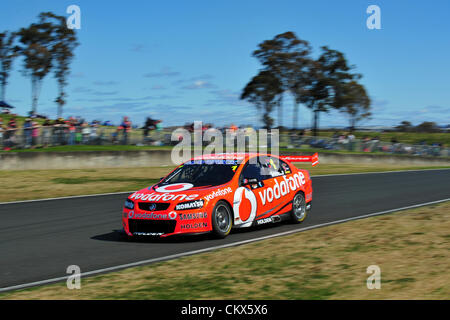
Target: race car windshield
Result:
[203, 173]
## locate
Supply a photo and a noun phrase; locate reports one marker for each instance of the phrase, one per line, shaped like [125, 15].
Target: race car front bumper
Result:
[143, 224]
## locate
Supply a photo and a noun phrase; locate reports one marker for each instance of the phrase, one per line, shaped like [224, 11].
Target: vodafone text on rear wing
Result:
[314, 159]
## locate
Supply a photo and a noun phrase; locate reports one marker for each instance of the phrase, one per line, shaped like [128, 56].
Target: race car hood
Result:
[179, 192]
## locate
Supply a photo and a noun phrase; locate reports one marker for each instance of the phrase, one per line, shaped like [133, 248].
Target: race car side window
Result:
[258, 170]
[285, 167]
[252, 171]
[272, 167]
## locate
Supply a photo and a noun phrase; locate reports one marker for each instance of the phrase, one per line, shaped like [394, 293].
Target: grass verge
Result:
[305, 149]
[81, 148]
[410, 247]
[38, 184]
[402, 137]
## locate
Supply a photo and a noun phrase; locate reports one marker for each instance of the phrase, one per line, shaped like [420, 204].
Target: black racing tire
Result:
[221, 219]
[123, 236]
[299, 212]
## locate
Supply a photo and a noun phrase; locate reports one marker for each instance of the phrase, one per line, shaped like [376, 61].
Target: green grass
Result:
[402, 137]
[78, 148]
[307, 150]
[84, 148]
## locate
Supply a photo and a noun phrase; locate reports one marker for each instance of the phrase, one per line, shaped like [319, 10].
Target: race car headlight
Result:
[129, 204]
[196, 204]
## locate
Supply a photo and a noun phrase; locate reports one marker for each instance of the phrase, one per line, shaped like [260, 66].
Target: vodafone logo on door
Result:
[282, 188]
[244, 207]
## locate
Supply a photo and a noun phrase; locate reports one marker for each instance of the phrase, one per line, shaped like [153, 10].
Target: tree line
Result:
[46, 45]
[321, 84]
[426, 127]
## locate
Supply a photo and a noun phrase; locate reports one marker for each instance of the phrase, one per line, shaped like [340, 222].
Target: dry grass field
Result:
[38, 184]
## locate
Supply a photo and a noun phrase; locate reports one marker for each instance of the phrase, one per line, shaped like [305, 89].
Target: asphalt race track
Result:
[39, 240]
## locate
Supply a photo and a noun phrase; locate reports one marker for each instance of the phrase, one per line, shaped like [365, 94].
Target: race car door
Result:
[249, 202]
[274, 197]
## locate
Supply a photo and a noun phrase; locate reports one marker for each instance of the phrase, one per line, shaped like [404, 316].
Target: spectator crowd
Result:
[71, 131]
[33, 133]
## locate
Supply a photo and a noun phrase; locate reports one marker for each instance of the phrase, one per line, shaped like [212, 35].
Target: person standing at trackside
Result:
[2, 130]
[149, 126]
[34, 134]
[146, 129]
[8, 137]
[72, 130]
[94, 134]
[27, 130]
[46, 133]
[351, 141]
[126, 128]
[85, 132]
[58, 132]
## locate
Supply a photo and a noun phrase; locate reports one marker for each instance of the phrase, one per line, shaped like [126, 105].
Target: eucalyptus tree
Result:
[62, 46]
[46, 45]
[325, 82]
[355, 103]
[299, 77]
[284, 56]
[314, 92]
[8, 52]
[405, 126]
[264, 91]
[35, 49]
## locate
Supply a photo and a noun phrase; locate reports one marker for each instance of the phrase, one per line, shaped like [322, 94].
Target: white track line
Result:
[123, 192]
[238, 243]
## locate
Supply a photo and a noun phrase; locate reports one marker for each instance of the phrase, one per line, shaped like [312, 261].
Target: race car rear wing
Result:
[314, 159]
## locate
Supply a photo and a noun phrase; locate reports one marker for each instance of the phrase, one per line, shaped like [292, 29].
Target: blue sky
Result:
[181, 61]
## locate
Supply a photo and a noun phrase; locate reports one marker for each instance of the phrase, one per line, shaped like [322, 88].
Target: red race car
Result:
[218, 192]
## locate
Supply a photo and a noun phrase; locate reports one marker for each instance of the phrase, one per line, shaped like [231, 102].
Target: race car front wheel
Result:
[298, 213]
[222, 219]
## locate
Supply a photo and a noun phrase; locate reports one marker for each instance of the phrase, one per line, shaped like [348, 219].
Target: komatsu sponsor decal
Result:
[282, 188]
[218, 193]
[190, 205]
[193, 216]
[152, 196]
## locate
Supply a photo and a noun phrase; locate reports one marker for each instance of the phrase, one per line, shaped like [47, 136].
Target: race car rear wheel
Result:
[298, 213]
[222, 219]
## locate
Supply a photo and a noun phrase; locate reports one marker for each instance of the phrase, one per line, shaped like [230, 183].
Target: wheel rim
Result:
[222, 218]
[299, 206]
